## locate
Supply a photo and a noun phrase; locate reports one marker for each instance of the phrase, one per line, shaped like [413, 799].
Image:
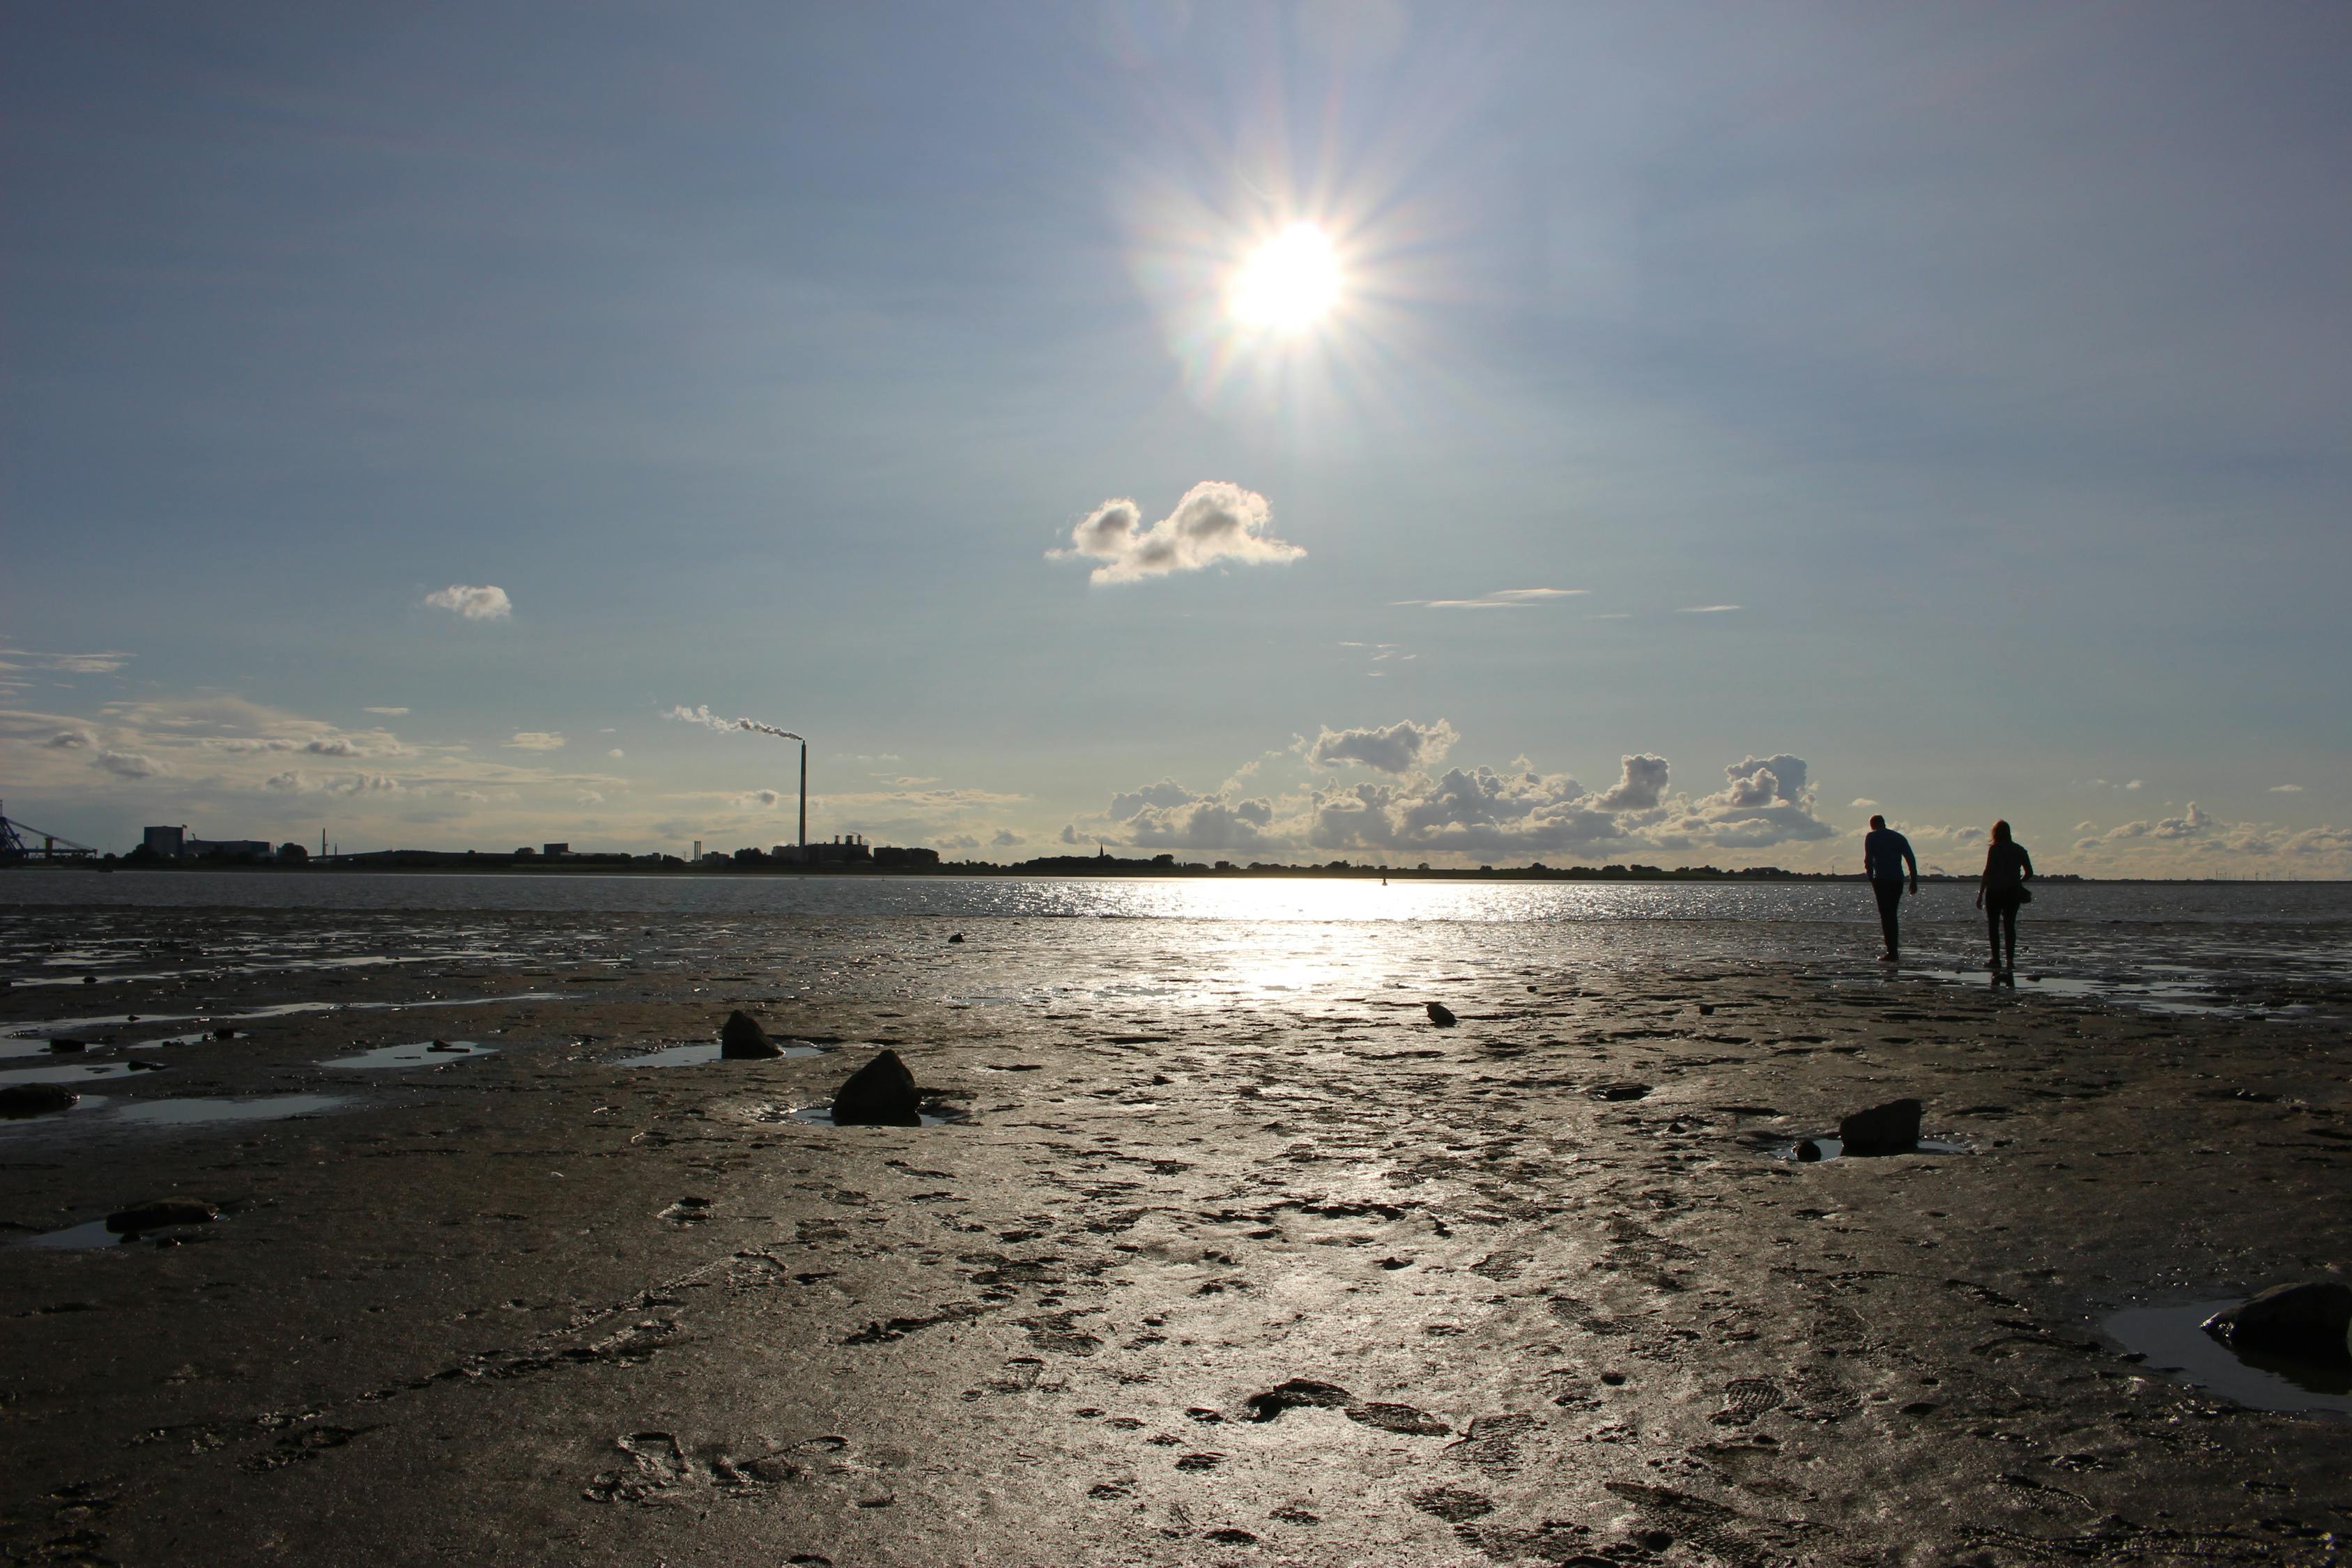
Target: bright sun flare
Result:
[1290, 283]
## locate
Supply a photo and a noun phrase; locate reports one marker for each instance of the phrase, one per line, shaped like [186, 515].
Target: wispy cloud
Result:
[2285, 789]
[388, 713]
[535, 741]
[102, 663]
[1706, 609]
[1500, 599]
[483, 602]
[130, 764]
[1215, 524]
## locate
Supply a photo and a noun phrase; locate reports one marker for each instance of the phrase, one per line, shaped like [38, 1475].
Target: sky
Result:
[1690, 428]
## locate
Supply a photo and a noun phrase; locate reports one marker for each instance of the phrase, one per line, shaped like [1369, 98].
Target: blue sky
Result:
[1992, 360]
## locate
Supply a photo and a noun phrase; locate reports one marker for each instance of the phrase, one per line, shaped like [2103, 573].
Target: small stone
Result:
[882, 1093]
[224, 1032]
[68, 1048]
[89, 980]
[36, 1099]
[445, 1048]
[1441, 1014]
[160, 1212]
[1810, 1150]
[955, 940]
[1627, 1091]
[1889, 1129]
[2308, 1321]
[740, 1038]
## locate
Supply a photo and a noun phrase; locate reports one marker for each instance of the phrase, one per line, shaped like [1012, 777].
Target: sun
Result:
[1288, 284]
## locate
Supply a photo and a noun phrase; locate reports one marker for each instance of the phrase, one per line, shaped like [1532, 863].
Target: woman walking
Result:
[2001, 889]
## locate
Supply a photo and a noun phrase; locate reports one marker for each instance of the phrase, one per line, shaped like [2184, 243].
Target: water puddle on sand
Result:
[822, 1115]
[95, 1113]
[413, 1053]
[1834, 1149]
[71, 1071]
[91, 1235]
[42, 1031]
[695, 1055]
[2179, 1349]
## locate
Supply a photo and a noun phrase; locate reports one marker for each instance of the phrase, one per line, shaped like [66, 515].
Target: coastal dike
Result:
[1202, 1255]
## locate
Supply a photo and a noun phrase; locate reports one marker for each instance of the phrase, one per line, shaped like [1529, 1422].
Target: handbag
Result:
[2025, 894]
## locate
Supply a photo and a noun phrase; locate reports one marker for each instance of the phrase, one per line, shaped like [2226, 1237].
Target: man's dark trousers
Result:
[1890, 900]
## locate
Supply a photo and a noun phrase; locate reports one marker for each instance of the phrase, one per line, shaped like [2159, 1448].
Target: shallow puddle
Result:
[92, 1234]
[2177, 1349]
[695, 1053]
[413, 1053]
[73, 1070]
[1834, 1149]
[198, 1112]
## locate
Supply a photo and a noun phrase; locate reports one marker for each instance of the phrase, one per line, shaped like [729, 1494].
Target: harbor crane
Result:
[53, 846]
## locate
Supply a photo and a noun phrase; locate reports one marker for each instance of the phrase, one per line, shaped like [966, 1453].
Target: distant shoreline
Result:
[499, 866]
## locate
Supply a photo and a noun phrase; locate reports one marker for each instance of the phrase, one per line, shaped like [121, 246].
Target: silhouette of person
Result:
[1885, 854]
[2001, 890]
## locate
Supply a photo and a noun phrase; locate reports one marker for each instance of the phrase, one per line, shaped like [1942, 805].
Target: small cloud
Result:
[1215, 523]
[87, 663]
[764, 798]
[617, 752]
[365, 784]
[2134, 784]
[388, 713]
[71, 741]
[589, 797]
[474, 796]
[1401, 746]
[1706, 609]
[486, 603]
[2274, 789]
[1862, 802]
[535, 741]
[130, 764]
[1612, 615]
[1005, 839]
[288, 783]
[1500, 599]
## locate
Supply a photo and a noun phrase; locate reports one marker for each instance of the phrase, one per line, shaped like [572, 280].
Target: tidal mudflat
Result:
[1225, 1253]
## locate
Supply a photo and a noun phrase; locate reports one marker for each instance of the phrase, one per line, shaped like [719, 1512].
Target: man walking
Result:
[1885, 854]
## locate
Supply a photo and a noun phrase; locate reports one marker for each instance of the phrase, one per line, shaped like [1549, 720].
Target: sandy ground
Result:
[540, 1306]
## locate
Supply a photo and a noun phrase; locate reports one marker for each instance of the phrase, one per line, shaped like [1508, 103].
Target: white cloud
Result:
[1500, 599]
[1706, 609]
[130, 764]
[71, 741]
[2274, 789]
[617, 752]
[1003, 837]
[589, 797]
[102, 663]
[288, 783]
[364, 784]
[535, 741]
[1641, 784]
[1864, 803]
[484, 603]
[1401, 746]
[2198, 841]
[2134, 784]
[388, 713]
[1215, 523]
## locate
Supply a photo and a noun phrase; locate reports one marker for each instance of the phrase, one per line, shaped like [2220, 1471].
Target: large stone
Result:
[1441, 1014]
[2308, 1321]
[742, 1037]
[882, 1093]
[1889, 1129]
[160, 1212]
[36, 1099]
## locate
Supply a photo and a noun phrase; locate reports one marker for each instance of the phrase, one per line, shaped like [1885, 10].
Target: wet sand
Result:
[1273, 1273]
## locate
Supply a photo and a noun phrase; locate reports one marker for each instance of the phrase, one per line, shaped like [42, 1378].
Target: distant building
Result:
[555, 851]
[844, 849]
[167, 841]
[174, 844]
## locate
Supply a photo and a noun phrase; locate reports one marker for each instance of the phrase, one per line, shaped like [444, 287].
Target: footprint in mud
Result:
[659, 1464]
[1745, 1398]
[1492, 1442]
[1454, 1504]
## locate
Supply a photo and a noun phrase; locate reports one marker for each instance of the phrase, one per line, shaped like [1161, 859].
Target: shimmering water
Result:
[2275, 948]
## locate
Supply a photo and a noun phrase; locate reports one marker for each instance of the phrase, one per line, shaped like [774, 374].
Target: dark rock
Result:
[1297, 1393]
[1399, 1418]
[2307, 1322]
[1619, 1090]
[445, 1048]
[36, 1099]
[1810, 1150]
[741, 1037]
[224, 1032]
[89, 980]
[955, 938]
[1441, 1014]
[1889, 1129]
[68, 1048]
[160, 1212]
[882, 1093]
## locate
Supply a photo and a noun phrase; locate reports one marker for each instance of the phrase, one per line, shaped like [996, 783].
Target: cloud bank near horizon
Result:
[1215, 524]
